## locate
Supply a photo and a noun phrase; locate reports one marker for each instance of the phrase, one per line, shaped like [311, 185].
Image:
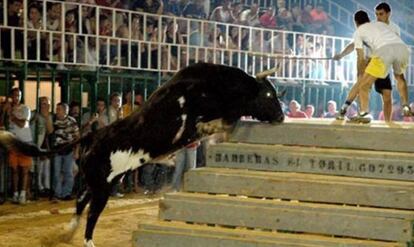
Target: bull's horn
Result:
[281, 94]
[268, 72]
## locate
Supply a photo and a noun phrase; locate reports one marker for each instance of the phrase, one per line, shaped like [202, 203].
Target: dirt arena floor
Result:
[41, 223]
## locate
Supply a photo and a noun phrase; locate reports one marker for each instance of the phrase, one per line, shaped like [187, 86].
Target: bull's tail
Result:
[9, 142]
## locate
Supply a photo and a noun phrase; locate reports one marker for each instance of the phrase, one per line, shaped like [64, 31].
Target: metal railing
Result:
[123, 39]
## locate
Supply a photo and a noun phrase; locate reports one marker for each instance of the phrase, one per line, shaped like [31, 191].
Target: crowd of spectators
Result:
[109, 50]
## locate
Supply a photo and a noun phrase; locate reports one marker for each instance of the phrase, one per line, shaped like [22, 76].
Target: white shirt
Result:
[375, 35]
[21, 112]
[395, 28]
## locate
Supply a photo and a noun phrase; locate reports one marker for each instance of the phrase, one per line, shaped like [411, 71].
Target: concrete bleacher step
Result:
[396, 137]
[329, 161]
[302, 187]
[347, 221]
[179, 234]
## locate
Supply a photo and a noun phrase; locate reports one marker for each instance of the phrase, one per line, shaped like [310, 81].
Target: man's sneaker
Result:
[15, 198]
[341, 114]
[22, 199]
[361, 118]
[406, 111]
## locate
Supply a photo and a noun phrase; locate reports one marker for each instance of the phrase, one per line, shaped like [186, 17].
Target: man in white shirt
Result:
[388, 49]
[382, 86]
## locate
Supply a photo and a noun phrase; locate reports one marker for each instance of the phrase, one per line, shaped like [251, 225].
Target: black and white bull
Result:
[165, 123]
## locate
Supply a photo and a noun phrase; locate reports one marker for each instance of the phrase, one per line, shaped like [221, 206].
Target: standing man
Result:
[19, 116]
[382, 86]
[66, 130]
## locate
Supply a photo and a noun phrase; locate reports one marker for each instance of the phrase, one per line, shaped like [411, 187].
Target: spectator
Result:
[285, 19]
[115, 109]
[250, 16]
[14, 8]
[53, 23]
[309, 111]
[19, 116]
[332, 112]
[294, 110]
[194, 9]
[306, 17]
[94, 121]
[173, 7]
[65, 130]
[115, 113]
[268, 19]
[75, 110]
[170, 52]
[35, 22]
[185, 159]
[235, 13]
[42, 127]
[149, 6]
[297, 19]
[222, 13]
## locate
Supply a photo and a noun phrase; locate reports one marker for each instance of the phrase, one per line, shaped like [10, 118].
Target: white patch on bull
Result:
[181, 130]
[181, 101]
[88, 243]
[122, 161]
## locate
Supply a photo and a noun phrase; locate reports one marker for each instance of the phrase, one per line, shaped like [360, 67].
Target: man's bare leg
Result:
[365, 85]
[387, 104]
[402, 89]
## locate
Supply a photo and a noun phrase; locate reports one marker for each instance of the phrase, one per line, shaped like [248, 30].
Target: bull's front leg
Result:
[213, 127]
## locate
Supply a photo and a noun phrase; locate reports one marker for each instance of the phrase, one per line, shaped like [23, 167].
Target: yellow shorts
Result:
[377, 68]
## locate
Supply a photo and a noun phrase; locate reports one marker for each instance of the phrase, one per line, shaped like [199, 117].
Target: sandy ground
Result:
[40, 223]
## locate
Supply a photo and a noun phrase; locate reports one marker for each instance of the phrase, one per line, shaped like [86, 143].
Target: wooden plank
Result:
[369, 223]
[327, 134]
[145, 238]
[303, 187]
[180, 234]
[344, 162]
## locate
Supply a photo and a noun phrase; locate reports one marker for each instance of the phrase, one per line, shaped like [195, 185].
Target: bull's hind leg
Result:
[83, 198]
[98, 202]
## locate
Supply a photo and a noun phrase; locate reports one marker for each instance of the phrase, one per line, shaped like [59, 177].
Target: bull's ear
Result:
[281, 94]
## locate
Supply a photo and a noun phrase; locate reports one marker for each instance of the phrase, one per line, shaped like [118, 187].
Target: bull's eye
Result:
[269, 95]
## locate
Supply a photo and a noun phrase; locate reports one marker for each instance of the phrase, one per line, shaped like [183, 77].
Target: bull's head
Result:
[267, 104]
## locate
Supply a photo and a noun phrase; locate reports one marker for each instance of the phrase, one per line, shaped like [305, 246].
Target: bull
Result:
[165, 123]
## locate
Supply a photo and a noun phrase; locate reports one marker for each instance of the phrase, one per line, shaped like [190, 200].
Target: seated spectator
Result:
[285, 19]
[222, 13]
[297, 16]
[250, 16]
[149, 6]
[194, 9]
[235, 13]
[268, 19]
[170, 53]
[13, 20]
[306, 16]
[309, 111]
[332, 112]
[294, 110]
[35, 22]
[173, 7]
[318, 15]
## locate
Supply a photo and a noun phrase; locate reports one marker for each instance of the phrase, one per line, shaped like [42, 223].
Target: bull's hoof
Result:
[88, 243]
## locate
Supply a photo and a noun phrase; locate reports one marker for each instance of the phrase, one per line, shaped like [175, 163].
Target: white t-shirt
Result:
[395, 28]
[21, 112]
[375, 35]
